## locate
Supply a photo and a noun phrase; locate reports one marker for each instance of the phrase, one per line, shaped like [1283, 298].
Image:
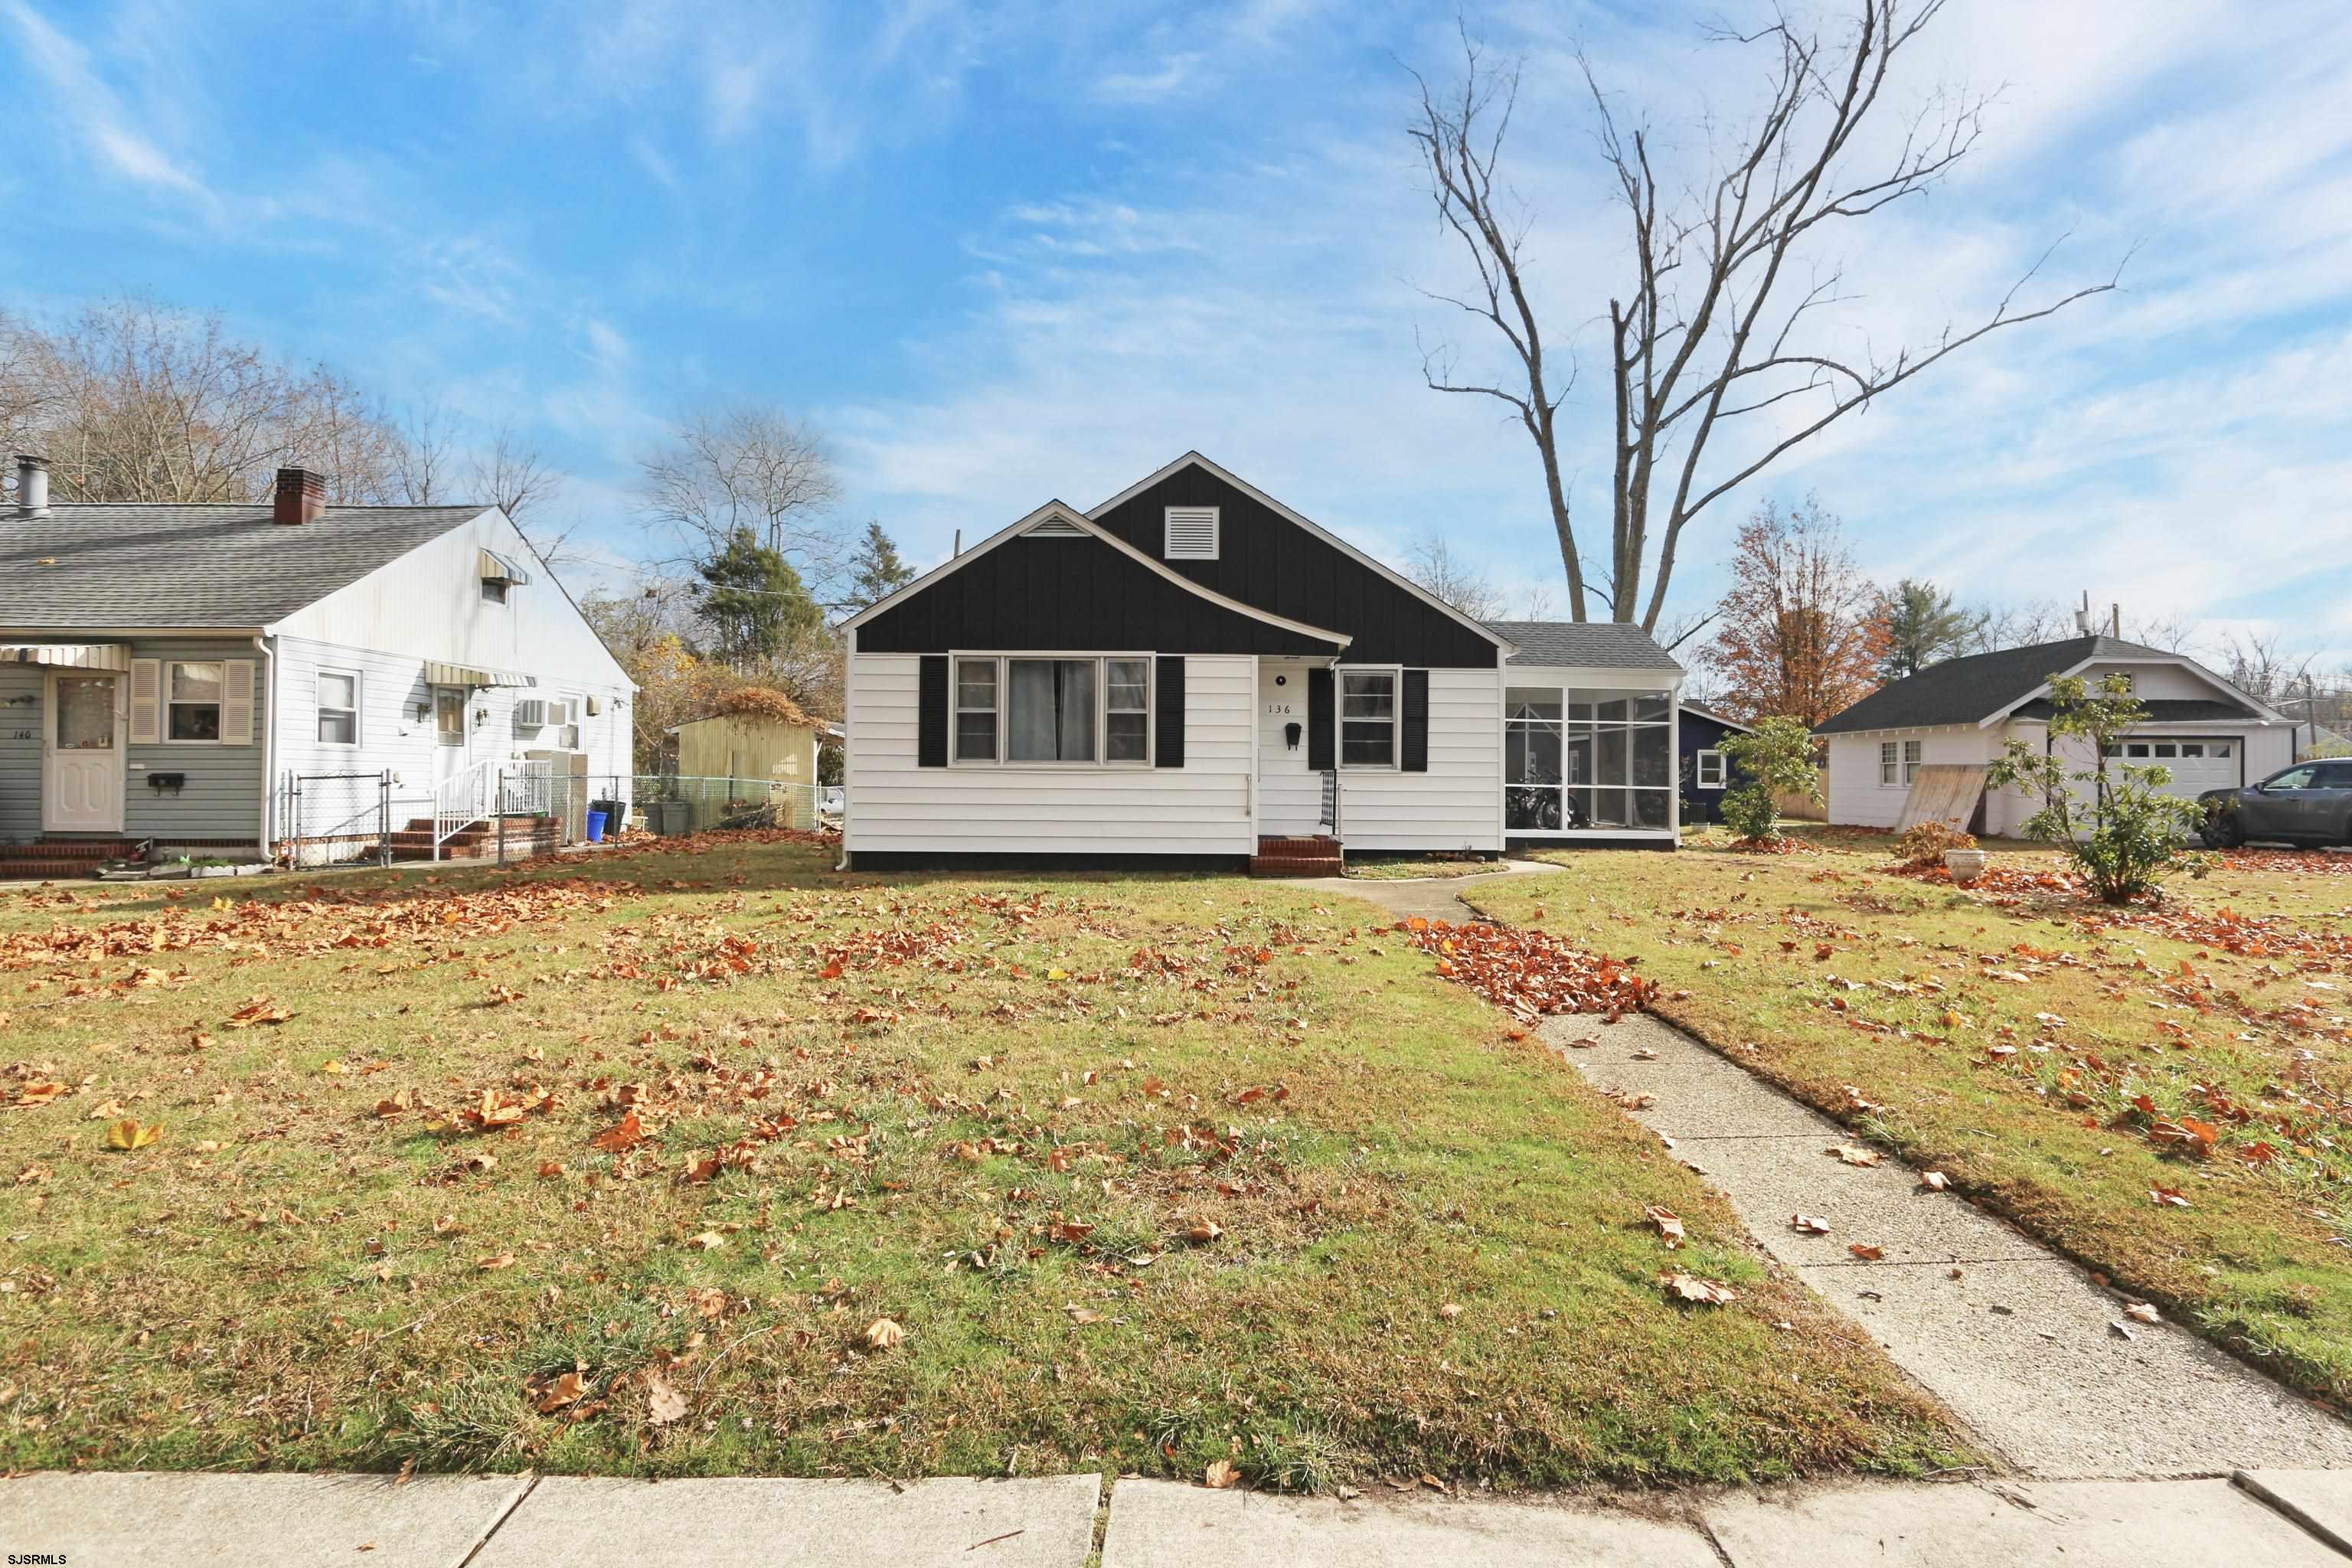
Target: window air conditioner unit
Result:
[530, 713]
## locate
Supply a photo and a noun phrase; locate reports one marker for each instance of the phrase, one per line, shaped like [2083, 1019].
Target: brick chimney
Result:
[32, 484]
[302, 497]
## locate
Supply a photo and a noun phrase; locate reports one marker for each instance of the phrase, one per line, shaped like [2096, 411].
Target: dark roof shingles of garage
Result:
[94, 566]
[1607, 644]
[1969, 691]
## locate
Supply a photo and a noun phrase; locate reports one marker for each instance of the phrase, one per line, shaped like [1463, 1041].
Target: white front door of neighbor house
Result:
[449, 731]
[81, 789]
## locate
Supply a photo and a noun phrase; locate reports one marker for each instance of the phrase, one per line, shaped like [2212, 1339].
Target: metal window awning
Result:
[496, 568]
[438, 673]
[111, 655]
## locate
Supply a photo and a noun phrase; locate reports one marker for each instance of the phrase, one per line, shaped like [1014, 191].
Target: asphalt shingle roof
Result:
[94, 566]
[1608, 645]
[1970, 689]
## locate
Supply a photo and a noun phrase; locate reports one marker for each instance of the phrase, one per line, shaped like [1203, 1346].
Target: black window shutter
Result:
[1168, 700]
[931, 712]
[1318, 720]
[1413, 744]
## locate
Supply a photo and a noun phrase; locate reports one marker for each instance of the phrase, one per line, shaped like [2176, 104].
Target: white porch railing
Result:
[461, 800]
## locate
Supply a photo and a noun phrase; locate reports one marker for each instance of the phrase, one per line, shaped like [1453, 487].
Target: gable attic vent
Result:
[1057, 528]
[1192, 533]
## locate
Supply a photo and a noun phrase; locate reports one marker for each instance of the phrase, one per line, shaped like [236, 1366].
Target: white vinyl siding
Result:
[397, 728]
[1201, 808]
[1457, 804]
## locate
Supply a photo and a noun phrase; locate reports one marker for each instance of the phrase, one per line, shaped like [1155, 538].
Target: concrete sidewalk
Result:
[2287, 1519]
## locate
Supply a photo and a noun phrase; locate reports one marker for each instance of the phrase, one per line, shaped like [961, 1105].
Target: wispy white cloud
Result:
[109, 132]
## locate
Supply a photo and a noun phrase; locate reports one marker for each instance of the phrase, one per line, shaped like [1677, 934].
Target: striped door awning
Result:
[438, 673]
[111, 655]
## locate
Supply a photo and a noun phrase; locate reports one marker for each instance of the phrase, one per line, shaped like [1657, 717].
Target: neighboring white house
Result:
[2206, 731]
[167, 671]
[1192, 671]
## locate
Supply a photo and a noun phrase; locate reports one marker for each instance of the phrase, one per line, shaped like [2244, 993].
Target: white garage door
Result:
[2197, 765]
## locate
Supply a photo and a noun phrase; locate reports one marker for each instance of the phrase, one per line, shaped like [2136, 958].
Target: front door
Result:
[449, 719]
[83, 790]
[1289, 797]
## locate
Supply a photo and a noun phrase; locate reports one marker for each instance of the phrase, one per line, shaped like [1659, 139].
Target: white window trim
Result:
[166, 704]
[319, 708]
[503, 598]
[1890, 765]
[1216, 532]
[1914, 757]
[1001, 763]
[1721, 769]
[1340, 674]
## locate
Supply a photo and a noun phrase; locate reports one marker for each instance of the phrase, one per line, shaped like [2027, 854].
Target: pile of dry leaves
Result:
[1530, 973]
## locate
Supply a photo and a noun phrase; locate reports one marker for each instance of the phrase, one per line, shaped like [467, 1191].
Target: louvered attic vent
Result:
[1192, 533]
[1057, 528]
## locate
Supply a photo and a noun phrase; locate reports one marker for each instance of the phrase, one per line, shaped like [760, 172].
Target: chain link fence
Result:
[674, 804]
[336, 819]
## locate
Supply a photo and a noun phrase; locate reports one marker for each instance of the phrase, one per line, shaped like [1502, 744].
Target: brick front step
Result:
[1295, 866]
[1315, 847]
[91, 849]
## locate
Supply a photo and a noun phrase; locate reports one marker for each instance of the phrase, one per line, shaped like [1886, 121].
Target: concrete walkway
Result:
[2020, 1343]
[2280, 1520]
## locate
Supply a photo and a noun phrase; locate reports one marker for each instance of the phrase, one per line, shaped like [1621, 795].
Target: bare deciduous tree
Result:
[1715, 325]
[747, 468]
[1431, 562]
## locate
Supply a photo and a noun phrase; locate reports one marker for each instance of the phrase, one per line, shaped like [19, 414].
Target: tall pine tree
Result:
[1923, 627]
[753, 601]
[876, 572]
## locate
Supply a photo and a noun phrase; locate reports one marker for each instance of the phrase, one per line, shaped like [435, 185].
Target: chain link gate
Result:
[336, 819]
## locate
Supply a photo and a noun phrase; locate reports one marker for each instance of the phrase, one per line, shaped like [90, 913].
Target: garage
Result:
[2197, 765]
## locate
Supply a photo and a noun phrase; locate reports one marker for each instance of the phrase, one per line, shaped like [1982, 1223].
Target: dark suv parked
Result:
[2310, 803]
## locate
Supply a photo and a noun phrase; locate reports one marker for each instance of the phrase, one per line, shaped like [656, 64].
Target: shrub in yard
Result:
[1924, 846]
[2123, 832]
[1778, 760]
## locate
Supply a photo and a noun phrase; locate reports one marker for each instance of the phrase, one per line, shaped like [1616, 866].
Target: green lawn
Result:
[2063, 1062]
[642, 1165]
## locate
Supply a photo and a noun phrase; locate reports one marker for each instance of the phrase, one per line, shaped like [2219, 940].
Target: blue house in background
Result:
[1707, 773]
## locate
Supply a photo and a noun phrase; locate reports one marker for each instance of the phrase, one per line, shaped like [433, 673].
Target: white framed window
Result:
[1889, 765]
[1368, 718]
[192, 701]
[1053, 709]
[494, 590]
[2191, 749]
[2136, 750]
[449, 715]
[2222, 748]
[1192, 532]
[1711, 772]
[2167, 749]
[975, 710]
[337, 693]
[1912, 750]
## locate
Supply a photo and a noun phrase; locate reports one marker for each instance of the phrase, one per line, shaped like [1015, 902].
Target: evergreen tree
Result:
[876, 572]
[753, 601]
[1923, 627]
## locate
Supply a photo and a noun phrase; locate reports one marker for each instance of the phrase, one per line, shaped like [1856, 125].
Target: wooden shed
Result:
[757, 735]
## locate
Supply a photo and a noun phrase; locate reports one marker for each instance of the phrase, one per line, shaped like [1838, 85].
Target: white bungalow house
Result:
[168, 671]
[2204, 731]
[1192, 671]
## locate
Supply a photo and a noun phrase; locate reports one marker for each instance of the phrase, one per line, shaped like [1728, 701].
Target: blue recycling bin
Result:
[595, 827]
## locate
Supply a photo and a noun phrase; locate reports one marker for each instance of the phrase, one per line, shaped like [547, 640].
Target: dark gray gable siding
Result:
[1266, 560]
[1075, 594]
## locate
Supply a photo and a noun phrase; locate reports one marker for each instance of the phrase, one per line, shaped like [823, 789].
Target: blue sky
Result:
[999, 253]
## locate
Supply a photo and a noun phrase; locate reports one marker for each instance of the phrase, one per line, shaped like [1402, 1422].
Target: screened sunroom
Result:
[1589, 748]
